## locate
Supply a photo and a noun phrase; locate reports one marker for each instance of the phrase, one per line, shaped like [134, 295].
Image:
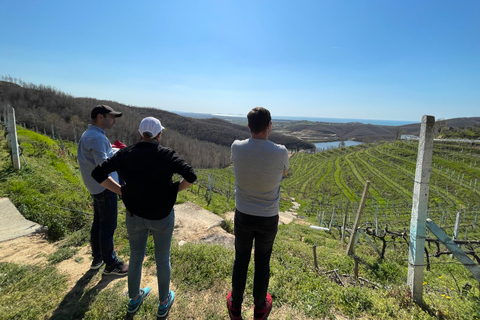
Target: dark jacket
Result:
[147, 169]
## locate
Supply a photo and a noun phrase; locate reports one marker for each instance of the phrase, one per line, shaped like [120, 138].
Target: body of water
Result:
[344, 120]
[334, 144]
[291, 118]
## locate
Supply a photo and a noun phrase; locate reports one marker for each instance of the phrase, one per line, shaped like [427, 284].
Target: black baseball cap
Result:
[104, 109]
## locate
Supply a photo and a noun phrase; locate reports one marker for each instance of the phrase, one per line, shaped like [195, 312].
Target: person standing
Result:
[259, 166]
[93, 149]
[149, 196]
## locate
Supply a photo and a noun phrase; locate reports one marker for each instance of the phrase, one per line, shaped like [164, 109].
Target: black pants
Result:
[103, 226]
[263, 230]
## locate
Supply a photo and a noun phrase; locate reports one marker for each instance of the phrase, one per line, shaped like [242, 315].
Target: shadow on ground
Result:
[76, 302]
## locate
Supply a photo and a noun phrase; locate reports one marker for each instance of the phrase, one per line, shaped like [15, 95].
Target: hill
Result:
[49, 190]
[323, 131]
[203, 143]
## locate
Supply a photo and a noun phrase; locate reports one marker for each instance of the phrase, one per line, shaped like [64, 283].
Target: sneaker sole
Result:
[115, 273]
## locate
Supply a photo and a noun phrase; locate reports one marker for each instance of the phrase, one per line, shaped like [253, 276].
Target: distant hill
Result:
[204, 143]
[322, 131]
[327, 131]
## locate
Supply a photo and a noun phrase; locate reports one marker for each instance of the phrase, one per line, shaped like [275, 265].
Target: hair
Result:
[258, 119]
[147, 135]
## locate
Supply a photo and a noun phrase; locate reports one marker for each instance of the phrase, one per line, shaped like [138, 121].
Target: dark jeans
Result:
[263, 230]
[103, 227]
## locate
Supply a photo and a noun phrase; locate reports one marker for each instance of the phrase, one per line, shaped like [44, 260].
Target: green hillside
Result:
[49, 190]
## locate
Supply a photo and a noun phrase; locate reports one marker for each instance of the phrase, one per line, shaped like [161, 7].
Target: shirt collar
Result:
[94, 127]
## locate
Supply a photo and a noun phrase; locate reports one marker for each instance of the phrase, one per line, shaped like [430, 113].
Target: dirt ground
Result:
[192, 224]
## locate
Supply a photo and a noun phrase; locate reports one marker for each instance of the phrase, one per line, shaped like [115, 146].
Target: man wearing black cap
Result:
[93, 149]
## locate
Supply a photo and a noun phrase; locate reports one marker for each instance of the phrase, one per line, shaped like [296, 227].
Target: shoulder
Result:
[166, 152]
[278, 147]
[163, 149]
[240, 142]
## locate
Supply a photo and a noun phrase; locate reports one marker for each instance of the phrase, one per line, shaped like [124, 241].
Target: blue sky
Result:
[364, 59]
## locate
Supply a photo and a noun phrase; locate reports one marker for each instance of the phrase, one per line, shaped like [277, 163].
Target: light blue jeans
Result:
[138, 230]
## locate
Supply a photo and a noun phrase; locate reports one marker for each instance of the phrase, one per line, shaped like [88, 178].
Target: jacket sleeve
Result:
[101, 172]
[183, 168]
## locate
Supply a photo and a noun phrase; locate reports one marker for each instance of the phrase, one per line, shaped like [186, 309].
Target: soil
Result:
[192, 224]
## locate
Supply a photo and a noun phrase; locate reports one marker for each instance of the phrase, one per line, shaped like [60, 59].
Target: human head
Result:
[104, 116]
[150, 127]
[104, 110]
[258, 119]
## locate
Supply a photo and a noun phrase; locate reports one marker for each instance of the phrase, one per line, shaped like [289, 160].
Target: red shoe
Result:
[263, 314]
[235, 314]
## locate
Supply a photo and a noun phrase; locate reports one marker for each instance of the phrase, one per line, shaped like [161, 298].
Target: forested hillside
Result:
[205, 143]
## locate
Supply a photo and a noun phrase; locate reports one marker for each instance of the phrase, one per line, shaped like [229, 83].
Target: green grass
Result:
[29, 292]
[49, 188]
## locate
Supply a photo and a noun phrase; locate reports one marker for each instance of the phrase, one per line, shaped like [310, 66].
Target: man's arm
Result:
[112, 185]
[183, 185]
[286, 164]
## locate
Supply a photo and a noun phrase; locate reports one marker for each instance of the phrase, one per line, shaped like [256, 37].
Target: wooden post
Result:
[351, 243]
[12, 138]
[315, 256]
[419, 209]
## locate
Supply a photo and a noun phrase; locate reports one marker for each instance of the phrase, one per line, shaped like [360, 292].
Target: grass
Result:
[201, 273]
[29, 292]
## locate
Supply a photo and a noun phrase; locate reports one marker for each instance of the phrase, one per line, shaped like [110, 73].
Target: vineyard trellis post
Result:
[12, 137]
[419, 209]
[455, 249]
[457, 226]
[353, 236]
[344, 221]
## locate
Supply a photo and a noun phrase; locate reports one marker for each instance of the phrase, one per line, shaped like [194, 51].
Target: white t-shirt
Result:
[258, 166]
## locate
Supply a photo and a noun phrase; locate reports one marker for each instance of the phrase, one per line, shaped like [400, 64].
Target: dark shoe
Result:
[263, 314]
[164, 308]
[96, 264]
[235, 314]
[134, 305]
[118, 269]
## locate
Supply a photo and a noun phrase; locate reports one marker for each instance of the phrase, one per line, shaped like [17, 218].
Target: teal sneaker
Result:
[134, 305]
[164, 308]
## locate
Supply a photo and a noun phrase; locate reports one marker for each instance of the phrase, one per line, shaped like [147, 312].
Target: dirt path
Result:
[192, 224]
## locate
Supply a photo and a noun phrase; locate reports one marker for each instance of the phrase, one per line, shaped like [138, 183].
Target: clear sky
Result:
[364, 59]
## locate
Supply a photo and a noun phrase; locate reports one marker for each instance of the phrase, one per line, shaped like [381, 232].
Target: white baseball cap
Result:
[151, 125]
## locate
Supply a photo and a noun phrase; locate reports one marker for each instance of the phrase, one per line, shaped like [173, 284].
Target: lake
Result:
[334, 144]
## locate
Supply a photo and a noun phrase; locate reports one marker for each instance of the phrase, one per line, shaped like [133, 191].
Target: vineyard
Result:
[324, 182]
[371, 283]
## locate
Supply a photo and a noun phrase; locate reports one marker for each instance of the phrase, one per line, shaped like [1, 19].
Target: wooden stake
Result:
[351, 246]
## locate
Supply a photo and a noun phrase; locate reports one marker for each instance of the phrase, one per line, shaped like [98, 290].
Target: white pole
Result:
[419, 209]
[12, 138]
